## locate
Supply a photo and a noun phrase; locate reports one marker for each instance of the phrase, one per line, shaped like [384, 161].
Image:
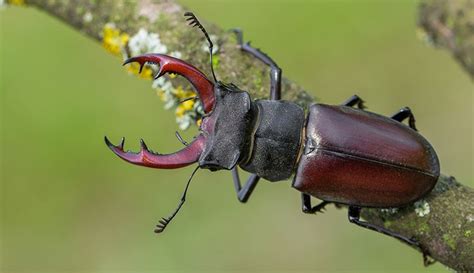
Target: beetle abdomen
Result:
[361, 158]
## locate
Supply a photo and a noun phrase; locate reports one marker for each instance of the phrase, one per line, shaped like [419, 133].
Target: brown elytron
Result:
[360, 158]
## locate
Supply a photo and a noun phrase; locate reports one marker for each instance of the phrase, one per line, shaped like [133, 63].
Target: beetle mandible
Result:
[340, 154]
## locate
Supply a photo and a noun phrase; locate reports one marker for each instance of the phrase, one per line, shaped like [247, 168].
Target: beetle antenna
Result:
[165, 221]
[193, 21]
[186, 99]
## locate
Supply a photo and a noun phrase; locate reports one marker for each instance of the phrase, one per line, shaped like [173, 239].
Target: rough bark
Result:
[450, 25]
[443, 222]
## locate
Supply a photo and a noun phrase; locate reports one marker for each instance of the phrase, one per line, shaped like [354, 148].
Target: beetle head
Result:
[229, 128]
[225, 130]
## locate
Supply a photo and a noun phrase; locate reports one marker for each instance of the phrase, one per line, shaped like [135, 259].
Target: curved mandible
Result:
[187, 156]
[204, 87]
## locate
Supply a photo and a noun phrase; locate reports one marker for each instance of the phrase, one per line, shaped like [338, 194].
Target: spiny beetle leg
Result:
[308, 208]
[244, 193]
[355, 100]
[275, 71]
[354, 217]
[403, 114]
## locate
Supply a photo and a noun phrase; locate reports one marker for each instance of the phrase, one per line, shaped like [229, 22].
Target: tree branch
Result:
[450, 25]
[443, 222]
[132, 27]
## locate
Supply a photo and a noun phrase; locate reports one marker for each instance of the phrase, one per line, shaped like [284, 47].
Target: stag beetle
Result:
[340, 154]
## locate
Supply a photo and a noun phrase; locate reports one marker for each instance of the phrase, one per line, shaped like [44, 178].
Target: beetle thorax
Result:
[263, 136]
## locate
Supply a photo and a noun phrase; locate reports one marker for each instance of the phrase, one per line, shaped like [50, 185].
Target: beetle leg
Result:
[308, 208]
[403, 114]
[354, 217]
[355, 100]
[244, 193]
[275, 72]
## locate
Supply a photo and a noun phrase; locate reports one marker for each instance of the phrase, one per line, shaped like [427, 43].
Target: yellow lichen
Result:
[119, 43]
[184, 107]
[188, 105]
[134, 68]
[180, 93]
[179, 111]
[113, 39]
[16, 2]
[161, 93]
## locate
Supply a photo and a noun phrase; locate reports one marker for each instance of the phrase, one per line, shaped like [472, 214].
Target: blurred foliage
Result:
[68, 204]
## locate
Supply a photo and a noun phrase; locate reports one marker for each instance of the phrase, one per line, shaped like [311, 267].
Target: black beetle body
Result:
[264, 136]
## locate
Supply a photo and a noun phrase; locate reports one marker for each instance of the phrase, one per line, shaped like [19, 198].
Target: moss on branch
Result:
[443, 222]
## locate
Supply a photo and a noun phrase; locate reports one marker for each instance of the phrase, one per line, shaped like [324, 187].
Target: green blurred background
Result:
[69, 205]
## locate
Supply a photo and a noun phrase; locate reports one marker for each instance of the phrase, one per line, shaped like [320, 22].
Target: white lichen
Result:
[163, 84]
[87, 18]
[188, 111]
[470, 218]
[144, 42]
[389, 211]
[184, 122]
[422, 208]
[176, 54]
[205, 44]
[424, 37]
[165, 91]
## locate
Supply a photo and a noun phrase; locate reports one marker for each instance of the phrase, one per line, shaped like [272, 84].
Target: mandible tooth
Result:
[161, 71]
[143, 145]
[122, 143]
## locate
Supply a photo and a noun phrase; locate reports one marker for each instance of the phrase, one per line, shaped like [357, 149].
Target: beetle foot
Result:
[320, 208]
[427, 259]
[361, 105]
[238, 35]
